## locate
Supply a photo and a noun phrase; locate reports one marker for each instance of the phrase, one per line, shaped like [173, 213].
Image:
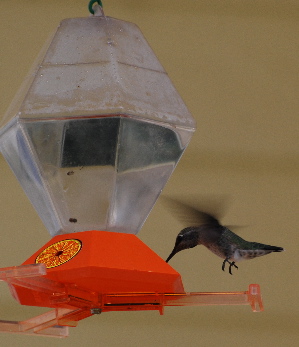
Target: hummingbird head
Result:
[187, 238]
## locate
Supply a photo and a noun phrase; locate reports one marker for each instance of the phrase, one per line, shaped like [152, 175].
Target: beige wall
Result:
[235, 63]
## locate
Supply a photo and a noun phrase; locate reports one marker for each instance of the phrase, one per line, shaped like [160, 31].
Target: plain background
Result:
[235, 63]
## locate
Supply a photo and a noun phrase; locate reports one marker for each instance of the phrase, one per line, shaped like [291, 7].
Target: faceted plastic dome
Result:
[97, 129]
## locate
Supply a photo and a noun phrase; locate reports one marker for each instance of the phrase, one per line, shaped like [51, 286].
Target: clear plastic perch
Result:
[80, 304]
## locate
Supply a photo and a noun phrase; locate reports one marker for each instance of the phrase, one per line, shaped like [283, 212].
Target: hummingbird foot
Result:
[231, 264]
[230, 267]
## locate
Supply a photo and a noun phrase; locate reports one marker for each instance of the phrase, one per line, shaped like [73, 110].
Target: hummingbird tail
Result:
[258, 250]
[273, 248]
[262, 247]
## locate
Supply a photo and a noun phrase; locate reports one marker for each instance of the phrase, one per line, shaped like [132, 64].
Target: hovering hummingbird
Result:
[217, 238]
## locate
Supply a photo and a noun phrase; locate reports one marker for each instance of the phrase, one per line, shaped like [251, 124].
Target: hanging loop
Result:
[90, 5]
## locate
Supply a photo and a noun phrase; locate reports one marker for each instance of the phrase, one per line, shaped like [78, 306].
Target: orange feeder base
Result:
[90, 272]
[101, 262]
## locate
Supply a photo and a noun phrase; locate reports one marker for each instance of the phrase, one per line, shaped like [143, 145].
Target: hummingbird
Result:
[217, 238]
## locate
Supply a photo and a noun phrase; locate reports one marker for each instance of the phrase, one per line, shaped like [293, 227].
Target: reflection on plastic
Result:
[97, 129]
[83, 304]
[116, 164]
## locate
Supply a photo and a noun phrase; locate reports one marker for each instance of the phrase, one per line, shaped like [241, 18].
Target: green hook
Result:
[91, 4]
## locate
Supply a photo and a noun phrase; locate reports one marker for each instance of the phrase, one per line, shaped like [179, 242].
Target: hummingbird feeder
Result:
[92, 138]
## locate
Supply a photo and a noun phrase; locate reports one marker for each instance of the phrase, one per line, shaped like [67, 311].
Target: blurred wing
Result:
[187, 214]
[235, 227]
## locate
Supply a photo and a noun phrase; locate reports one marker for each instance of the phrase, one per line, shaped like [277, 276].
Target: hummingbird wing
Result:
[187, 214]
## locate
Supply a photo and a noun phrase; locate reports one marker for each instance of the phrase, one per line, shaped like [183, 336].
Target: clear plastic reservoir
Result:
[92, 173]
[97, 130]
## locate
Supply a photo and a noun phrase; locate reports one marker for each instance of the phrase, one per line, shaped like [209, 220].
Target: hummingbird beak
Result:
[181, 243]
[179, 246]
[171, 255]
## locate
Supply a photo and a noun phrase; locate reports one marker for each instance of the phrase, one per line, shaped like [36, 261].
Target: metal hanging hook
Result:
[90, 5]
